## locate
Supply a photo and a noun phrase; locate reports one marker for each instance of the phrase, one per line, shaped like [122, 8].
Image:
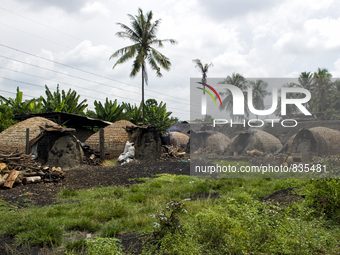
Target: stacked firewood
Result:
[92, 160]
[172, 152]
[21, 169]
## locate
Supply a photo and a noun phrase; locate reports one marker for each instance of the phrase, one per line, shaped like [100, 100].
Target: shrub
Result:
[168, 223]
[324, 196]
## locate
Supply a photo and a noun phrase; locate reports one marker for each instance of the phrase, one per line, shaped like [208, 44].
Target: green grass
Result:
[234, 223]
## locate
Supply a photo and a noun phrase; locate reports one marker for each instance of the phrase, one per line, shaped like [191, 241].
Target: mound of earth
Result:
[282, 196]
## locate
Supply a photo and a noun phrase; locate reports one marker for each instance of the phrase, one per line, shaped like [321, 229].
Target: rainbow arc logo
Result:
[209, 93]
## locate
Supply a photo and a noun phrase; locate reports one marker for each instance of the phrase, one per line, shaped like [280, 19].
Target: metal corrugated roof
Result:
[67, 119]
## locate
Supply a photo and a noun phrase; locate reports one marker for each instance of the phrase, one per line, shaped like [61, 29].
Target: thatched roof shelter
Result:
[14, 137]
[254, 139]
[176, 139]
[317, 141]
[212, 141]
[115, 138]
[182, 127]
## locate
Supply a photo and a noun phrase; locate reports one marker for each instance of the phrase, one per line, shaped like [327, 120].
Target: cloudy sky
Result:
[69, 42]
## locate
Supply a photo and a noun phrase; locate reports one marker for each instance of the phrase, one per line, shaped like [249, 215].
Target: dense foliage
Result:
[61, 101]
[6, 117]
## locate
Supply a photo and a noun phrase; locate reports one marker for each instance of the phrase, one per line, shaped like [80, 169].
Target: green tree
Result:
[6, 117]
[322, 87]
[143, 35]
[259, 88]
[227, 103]
[63, 102]
[134, 113]
[332, 105]
[17, 104]
[203, 69]
[110, 111]
[157, 115]
[290, 108]
[305, 81]
[91, 114]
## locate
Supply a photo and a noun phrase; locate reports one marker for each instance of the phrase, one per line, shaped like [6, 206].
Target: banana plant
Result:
[134, 113]
[17, 104]
[110, 111]
[63, 102]
[157, 115]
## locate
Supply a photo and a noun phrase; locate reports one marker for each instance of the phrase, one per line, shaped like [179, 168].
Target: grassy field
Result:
[234, 221]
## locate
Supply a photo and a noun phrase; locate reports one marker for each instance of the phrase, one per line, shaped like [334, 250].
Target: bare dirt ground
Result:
[85, 177]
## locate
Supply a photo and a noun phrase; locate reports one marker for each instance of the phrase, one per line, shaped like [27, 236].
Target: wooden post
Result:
[27, 141]
[101, 144]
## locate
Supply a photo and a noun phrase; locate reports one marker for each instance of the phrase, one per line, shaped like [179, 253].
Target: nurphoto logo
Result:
[238, 99]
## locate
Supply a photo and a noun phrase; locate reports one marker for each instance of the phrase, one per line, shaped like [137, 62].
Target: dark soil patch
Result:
[7, 246]
[85, 177]
[283, 196]
[132, 242]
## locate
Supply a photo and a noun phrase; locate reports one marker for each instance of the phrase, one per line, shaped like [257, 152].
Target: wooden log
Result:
[27, 141]
[2, 166]
[19, 179]
[32, 179]
[101, 144]
[29, 174]
[11, 179]
[3, 179]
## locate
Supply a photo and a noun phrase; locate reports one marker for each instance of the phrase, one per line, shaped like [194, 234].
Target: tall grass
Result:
[235, 222]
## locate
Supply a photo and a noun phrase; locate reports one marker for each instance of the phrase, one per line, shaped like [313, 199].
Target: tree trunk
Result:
[204, 81]
[143, 93]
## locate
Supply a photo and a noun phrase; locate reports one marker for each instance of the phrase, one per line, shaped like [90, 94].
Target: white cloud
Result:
[95, 8]
[255, 38]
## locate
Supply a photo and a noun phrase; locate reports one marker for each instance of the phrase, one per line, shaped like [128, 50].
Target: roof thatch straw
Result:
[215, 141]
[176, 139]
[115, 138]
[183, 127]
[317, 141]
[14, 137]
[254, 139]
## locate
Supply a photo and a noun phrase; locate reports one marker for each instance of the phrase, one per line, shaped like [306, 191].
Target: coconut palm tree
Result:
[227, 103]
[322, 87]
[290, 108]
[142, 33]
[305, 81]
[204, 69]
[259, 88]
